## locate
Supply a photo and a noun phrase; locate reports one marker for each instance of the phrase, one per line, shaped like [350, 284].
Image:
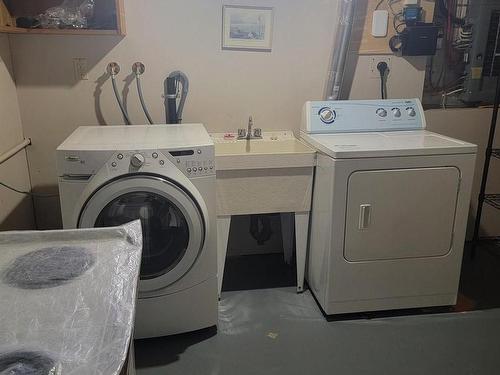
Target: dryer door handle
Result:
[365, 215]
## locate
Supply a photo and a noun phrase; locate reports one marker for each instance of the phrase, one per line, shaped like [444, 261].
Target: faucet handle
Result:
[242, 133]
[257, 133]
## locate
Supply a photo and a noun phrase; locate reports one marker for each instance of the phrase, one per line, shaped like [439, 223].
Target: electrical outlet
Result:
[374, 73]
[81, 68]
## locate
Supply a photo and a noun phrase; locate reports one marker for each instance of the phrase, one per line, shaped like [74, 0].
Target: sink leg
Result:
[287, 233]
[223, 225]
[301, 234]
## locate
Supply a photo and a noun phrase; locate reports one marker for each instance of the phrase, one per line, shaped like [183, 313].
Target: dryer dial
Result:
[137, 160]
[327, 115]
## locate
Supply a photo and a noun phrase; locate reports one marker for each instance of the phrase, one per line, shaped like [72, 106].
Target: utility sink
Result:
[274, 150]
[261, 176]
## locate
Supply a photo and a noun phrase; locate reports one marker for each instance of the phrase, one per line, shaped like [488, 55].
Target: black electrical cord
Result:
[395, 44]
[398, 17]
[29, 193]
[383, 69]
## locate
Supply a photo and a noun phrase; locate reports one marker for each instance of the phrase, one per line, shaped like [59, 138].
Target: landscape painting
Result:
[247, 28]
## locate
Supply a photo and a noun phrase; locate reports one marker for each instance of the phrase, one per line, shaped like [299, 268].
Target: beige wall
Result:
[472, 125]
[15, 209]
[405, 78]
[226, 86]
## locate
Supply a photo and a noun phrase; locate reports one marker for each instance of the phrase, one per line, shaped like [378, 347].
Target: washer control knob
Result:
[411, 111]
[189, 170]
[396, 112]
[382, 112]
[137, 160]
[195, 169]
[327, 115]
[113, 164]
[198, 151]
[155, 155]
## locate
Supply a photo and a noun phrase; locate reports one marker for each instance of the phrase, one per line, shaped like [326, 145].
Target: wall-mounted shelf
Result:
[110, 10]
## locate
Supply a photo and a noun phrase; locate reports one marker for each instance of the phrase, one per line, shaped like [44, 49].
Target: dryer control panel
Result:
[352, 116]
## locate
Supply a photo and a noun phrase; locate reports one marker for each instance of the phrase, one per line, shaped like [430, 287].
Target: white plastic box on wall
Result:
[380, 23]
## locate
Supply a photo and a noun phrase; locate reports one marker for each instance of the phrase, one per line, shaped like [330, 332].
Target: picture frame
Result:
[247, 28]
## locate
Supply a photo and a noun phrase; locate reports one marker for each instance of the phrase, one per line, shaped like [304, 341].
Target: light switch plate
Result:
[380, 23]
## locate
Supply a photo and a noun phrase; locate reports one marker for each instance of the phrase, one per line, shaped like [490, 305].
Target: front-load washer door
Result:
[172, 224]
[400, 213]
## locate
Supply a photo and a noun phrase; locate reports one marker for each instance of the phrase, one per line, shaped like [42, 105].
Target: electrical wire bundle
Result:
[457, 39]
[465, 37]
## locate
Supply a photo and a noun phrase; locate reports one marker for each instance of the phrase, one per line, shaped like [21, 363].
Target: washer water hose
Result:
[113, 70]
[138, 68]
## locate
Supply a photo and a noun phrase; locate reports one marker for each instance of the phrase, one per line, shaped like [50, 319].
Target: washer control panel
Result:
[192, 162]
[349, 116]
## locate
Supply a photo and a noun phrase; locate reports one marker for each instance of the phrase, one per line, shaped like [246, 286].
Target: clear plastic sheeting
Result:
[71, 14]
[68, 300]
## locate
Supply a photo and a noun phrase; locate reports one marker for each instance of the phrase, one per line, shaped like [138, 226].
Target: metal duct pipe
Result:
[340, 49]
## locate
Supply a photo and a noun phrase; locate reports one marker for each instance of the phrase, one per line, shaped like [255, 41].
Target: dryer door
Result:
[172, 224]
[400, 213]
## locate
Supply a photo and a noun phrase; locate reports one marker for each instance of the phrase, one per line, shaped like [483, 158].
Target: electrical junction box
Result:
[379, 23]
[420, 40]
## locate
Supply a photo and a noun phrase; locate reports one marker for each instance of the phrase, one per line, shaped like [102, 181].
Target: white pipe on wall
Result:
[13, 151]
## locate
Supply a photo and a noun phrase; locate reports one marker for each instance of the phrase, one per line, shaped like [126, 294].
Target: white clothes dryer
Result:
[164, 176]
[390, 206]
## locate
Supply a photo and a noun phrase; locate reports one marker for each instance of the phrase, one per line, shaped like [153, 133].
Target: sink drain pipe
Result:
[340, 50]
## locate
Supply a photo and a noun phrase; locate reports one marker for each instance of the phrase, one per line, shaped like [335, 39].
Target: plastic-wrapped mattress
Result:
[68, 300]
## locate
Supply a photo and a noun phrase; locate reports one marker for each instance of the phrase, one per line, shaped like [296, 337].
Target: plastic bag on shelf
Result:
[71, 14]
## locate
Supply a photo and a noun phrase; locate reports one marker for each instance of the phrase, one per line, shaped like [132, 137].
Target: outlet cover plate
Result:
[81, 68]
[374, 73]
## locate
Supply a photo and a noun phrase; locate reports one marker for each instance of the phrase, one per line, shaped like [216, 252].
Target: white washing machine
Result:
[165, 176]
[390, 207]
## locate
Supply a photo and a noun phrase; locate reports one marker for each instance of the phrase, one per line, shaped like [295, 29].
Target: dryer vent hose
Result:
[260, 228]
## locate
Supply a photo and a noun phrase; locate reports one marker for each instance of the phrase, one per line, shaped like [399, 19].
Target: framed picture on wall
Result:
[247, 28]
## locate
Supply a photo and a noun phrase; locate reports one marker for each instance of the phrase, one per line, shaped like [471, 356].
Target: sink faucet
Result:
[249, 129]
[249, 133]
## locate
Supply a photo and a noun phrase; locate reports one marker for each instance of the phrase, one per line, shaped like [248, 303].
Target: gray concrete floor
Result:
[276, 331]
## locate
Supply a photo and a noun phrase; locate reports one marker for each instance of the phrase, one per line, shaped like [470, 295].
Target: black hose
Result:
[181, 81]
[120, 103]
[260, 228]
[171, 101]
